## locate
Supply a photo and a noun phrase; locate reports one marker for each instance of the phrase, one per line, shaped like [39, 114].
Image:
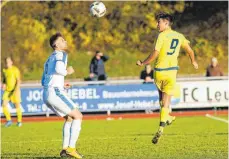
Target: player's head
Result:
[57, 42]
[97, 55]
[164, 21]
[214, 62]
[9, 62]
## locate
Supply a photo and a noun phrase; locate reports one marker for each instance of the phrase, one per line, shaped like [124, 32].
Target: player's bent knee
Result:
[81, 116]
[76, 114]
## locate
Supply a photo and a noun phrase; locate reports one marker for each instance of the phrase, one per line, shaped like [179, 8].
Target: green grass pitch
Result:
[186, 138]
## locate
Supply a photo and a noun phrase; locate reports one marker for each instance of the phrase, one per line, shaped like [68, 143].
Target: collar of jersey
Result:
[168, 30]
[56, 51]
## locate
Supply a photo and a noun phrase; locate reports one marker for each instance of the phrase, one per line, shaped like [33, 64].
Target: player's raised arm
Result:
[191, 54]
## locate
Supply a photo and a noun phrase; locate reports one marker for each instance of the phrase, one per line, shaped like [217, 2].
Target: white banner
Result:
[203, 94]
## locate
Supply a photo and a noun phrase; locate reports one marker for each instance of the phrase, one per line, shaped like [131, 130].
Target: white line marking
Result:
[216, 118]
[98, 138]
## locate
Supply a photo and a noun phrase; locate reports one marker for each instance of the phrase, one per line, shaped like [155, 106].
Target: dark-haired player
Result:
[165, 54]
[54, 96]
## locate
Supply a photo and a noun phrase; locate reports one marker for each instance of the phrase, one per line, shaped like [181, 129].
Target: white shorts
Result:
[58, 101]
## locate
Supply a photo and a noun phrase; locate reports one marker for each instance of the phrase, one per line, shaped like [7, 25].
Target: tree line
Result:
[126, 32]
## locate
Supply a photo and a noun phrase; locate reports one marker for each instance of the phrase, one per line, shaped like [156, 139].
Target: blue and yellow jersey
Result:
[168, 45]
[10, 76]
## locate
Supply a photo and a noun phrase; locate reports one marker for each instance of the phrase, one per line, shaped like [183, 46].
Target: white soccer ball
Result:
[97, 9]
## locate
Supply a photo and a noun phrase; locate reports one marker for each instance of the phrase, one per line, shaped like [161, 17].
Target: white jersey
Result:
[55, 70]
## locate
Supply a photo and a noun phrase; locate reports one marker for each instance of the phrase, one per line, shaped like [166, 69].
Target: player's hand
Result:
[70, 70]
[91, 75]
[100, 54]
[139, 63]
[67, 86]
[195, 65]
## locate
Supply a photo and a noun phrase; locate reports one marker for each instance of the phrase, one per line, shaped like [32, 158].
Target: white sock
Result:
[66, 134]
[75, 131]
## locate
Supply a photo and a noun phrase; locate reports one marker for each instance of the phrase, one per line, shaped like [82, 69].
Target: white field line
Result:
[216, 118]
[100, 138]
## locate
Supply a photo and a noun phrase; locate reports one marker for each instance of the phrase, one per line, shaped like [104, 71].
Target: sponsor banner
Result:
[129, 97]
[203, 94]
[97, 98]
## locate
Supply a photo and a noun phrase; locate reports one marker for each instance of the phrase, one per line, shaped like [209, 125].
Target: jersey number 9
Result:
[173, 46]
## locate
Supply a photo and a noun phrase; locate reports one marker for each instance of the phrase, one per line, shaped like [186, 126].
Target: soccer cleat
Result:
[63, 153]
[156, 137]
[71, 152]
[171, 120]
[8, 123]
[19, 124]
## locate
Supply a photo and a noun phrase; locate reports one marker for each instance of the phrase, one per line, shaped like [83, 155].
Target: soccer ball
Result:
[97, 9]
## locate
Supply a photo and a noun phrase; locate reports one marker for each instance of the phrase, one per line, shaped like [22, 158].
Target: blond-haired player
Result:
[166, 51]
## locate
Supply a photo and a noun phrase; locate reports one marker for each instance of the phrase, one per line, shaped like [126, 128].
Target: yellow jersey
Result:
[10, 76]
[168, 45]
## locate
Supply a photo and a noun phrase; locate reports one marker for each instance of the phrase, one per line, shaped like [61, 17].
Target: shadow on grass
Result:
[25, 155]
[166, 134]
[221, 133]
[46, 157]
[174, 134]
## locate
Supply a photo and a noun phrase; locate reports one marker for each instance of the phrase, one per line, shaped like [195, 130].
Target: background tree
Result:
[127, 32]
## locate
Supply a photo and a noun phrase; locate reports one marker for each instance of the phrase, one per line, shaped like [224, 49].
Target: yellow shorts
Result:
[11, 96]
[166, 81]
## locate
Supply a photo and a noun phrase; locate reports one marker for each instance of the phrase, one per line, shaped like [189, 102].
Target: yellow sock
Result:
[6, 113]
[164, 114]
[161, 105]
[19, 114]
[163, 117]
